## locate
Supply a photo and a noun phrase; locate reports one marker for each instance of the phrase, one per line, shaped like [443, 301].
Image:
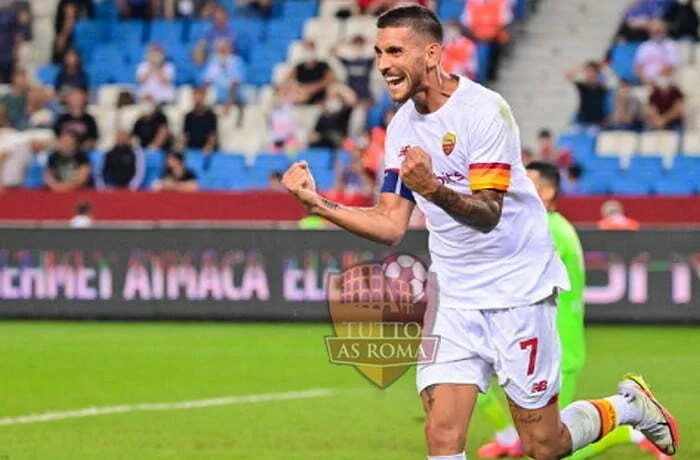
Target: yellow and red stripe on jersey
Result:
[489, 175]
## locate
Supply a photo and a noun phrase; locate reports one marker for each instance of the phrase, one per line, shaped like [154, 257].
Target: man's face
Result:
[401, 59]
[590, 74]
[657, 30]
[67, 144]
[76, 101]
[199, 97]
[220, 18]
[544, 189]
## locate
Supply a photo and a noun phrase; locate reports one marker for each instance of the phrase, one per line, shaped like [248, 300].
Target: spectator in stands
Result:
[135, 9]
[123, 166]
[526, 156]
[682, 20]
[627, 109]
[614, 217]
[78, 121]
[15, 102]
[358, 60]
[459, 56]
[332, 125]
[38, 114]
[82, 9]
[11, 36]
[64, 36]
[592, 93]
[310, 79]
[547, 150]
[637, 19]
[189, 9]
[666, 104]
[200, 130]
[83, 215]
[156, 77]
[220, 29]
[71, 75]
[571, 180]
[177, 176]
[152, 131]
[487, 21]
[655, 54]
[68, 168]
[225, 72]
[282, 121]
[354, 183]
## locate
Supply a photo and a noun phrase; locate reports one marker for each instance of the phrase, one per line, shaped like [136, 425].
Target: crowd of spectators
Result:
[342, 100]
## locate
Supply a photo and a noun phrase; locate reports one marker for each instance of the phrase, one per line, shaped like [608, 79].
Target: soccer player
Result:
[570, 325]
[453, 149]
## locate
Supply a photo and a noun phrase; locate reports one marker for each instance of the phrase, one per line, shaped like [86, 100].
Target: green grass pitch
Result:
[60, 366]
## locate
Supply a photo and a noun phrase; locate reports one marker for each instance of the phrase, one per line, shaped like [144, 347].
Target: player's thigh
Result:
[528, 363]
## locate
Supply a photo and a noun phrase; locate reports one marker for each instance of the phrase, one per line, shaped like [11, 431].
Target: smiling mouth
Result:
[394, 81]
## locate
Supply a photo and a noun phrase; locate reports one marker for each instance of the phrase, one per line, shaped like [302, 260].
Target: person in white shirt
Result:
[453, 149]
[156, 77]
[656, 54]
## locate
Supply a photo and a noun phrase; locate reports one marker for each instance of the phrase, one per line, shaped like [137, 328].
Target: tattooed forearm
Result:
[329, 204]
[481, 210]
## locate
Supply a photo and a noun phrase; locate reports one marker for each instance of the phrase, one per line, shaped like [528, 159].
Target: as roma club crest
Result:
[449, 141]
[381, 315]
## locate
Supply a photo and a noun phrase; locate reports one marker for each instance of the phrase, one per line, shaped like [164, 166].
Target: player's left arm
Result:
[480, 210]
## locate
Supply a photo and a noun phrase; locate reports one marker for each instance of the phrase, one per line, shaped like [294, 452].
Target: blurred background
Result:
[142, 144]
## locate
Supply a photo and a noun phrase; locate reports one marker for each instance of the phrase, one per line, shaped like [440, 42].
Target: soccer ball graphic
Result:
[408, 269]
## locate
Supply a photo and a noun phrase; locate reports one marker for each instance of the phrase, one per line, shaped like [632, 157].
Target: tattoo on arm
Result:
[329, 204]
[430, 397]
[481, 210]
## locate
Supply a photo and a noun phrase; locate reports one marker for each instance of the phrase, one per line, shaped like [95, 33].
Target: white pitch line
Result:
[153, 407]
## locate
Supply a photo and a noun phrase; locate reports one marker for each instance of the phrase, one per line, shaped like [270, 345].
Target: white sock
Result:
[460, 456]
[583, 421]
[507, 437]
[636, 436]
[628, 411]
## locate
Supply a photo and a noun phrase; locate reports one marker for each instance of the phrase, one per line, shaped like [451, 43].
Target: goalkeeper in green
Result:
[570, 324]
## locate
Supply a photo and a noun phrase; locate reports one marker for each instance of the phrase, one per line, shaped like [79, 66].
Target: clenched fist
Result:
[417, 172]
[301, 184]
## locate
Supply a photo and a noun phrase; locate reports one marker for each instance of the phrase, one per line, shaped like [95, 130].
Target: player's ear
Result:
[433, 55]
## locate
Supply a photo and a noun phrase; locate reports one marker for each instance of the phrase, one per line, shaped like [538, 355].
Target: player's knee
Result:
[444, 437]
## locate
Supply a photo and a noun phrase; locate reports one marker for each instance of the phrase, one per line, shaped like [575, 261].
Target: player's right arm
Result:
[386, 222]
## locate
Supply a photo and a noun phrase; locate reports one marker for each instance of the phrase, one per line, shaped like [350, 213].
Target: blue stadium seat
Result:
[239, 182]
[520, 9]
[594, 184]
[253, 28]
[279, 29]
[343, 157]
[47, 74]
[629, 186]
[106, 10]
[299, 8]
[674, 186]
[684, 166]
[109, 53]
[134, 52]
[196, 31]
[317, 158]
[324, 179]
[34, 178]
[581, 144]
[271, 162]
[483, 55]
[166, 31]
[124, 74]
[622, 60]
[258, 178]
[96, 158]
[127, 31]
[450, 9]
[152, 175]
[155, 159]
[99, 74]
[224, 165]
[645, 168]
[93, 31]
[194, 159]
[603, 166]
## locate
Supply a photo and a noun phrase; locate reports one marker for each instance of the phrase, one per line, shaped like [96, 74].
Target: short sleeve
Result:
[169, 70]
[494, 148]
[392, 165]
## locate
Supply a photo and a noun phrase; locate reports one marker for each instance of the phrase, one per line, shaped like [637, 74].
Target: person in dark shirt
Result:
[152, 130]
[68, 168]
[10, 36]
[176, 176]
[682, 20]
[135, 9]
[83, 8]
[123, 166]
[200, 125]
[592, 93]
[78, 121]
[666, 104]
[332, 126]
[311, 78]
[72, 75]
[358, 65]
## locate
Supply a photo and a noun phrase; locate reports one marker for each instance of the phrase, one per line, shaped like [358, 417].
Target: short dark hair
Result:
[548, 172]
[544, 133]
[416, 17]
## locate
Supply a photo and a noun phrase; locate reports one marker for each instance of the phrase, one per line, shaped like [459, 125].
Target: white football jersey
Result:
[474, 144]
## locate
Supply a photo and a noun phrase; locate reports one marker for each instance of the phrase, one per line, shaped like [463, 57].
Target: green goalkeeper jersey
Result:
[571, 305]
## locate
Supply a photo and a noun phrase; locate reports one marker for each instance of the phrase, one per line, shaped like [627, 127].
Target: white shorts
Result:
[519, 345]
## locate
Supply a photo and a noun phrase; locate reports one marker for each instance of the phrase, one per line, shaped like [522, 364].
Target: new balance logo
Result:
[539, 387]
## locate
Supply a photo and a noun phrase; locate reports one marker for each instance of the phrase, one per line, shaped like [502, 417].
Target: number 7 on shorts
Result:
[532, 345]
